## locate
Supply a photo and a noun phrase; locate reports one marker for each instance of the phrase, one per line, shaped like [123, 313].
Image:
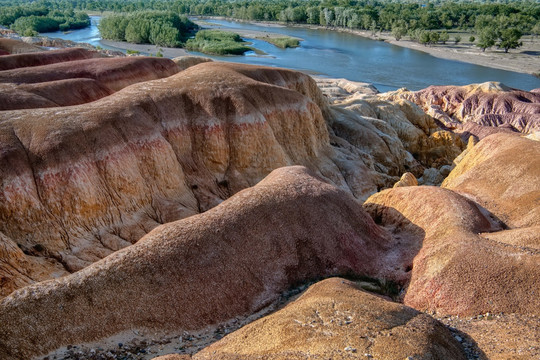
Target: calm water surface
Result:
[344, 55]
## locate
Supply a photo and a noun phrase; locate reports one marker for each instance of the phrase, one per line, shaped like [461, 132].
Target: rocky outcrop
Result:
[15, 46]
[333, 319]
[455, 270]
[44, 58]
[66, 83]
[502, 173]
[97, 177]
[396, 136]
[407, 179]
[488, 105]
[470, 262]
[185, 62]
[232, 260]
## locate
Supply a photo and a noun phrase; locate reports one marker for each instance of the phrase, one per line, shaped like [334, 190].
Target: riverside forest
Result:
[500, 24]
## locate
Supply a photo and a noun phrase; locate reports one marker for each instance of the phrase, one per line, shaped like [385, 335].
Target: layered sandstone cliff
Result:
[96, 177]
[470, 109]
[162, 197]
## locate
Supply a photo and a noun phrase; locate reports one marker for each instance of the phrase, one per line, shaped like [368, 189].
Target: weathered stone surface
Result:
[14, 46]
[85, 181]
[407, 179]
[334, 319]
[455, 270]
[398, 136]
[231, 260]
[88, 180]
[502, 336]
[45, 57]
[489, 104]
[185, 62]
[502, 173]
[115, 73]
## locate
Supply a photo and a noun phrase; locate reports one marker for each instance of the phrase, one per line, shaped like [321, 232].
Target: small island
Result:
[283, 42]
[217, 42]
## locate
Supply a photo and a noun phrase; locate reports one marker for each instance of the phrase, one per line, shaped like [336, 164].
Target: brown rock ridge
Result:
[88, 180]
[9, 62]
[396, 135]
[14, 46]
[502, 173]
[488, 105]
[333, 319]
[469, 263]
[97, 177]
[231, 260]
[76, 82]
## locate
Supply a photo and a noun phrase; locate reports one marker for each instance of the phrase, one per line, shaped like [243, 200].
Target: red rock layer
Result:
[488, 104]
[232, 260]
[45, 58]
[84, 181]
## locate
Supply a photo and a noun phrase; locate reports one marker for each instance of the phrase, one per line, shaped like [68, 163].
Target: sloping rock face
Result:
[67, 81]
[488, 105]
[85, 181]
[234, 259]
[395, 135]
[14, 46]
[502, 173]
[333, 319]
[44, 58]
[479, 249]
[454, 269]
[82, 182]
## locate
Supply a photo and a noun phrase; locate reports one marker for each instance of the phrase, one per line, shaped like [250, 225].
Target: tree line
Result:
[162, 28]
[33, 18]
[421, 20]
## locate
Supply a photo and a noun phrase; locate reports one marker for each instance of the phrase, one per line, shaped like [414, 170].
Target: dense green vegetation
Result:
[282, 42]
[217, 42]
[28, 20]
[422, 20]
[162, 28]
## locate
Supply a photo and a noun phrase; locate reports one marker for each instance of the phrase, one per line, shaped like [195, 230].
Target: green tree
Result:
[424, 37]
[471, 39]
[398, 30]
[536, 29]
[434, 37]
[509, 39]
[457, 39]
[487, 37]
[444, 37]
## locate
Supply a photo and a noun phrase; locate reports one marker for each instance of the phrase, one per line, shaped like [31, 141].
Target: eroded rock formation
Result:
[490, 104]
[9, 62]
[87, 188]
[97, 177]
[333, 319]
[67, 81]
[232, 260]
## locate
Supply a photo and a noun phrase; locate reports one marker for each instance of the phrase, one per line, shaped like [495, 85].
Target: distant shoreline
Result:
[146, 48]
[525, 59]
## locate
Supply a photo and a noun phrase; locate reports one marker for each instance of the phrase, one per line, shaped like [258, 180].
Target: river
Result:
[343, 55]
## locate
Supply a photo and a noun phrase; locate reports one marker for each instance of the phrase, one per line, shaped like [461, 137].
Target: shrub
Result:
[217, 42]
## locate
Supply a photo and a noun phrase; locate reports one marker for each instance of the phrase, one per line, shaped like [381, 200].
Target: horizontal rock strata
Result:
[488, 105]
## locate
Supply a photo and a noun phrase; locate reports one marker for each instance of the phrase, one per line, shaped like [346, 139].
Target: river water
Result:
[343, 55]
